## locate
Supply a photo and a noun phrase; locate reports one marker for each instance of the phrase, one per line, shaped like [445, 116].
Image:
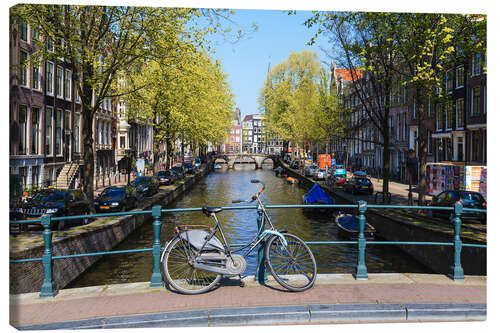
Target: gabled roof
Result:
[346, 74]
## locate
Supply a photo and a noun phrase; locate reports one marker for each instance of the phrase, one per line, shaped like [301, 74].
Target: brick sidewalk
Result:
[138, 298]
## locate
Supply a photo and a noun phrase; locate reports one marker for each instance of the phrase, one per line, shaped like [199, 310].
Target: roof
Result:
[346, 74]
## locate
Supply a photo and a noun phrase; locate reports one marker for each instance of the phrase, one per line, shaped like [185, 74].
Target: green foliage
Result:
[296, 100]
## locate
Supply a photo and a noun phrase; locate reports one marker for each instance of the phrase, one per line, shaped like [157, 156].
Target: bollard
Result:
[260, 272]
[361, 272]
[49, 287]
[156, 278]
[458, 272]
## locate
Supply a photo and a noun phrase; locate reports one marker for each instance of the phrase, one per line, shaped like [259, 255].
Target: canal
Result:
[218, 189]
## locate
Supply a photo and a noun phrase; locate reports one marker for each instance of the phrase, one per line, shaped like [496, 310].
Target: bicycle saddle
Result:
[209, 210]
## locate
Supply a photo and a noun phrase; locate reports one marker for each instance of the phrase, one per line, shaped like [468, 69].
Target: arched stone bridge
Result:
[258, 159]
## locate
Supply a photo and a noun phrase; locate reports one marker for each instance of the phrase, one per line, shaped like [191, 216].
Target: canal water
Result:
[218, 189]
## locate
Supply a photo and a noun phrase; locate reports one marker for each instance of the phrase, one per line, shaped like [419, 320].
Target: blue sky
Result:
[246, 62]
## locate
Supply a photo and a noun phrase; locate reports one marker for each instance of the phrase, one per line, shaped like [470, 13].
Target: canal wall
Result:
[101, 235]
[392, 227]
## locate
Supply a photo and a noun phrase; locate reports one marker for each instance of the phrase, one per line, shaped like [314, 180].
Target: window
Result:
[67, 118]
[36, 78]
[49, 86]
[460, 77]
[476, 64]
[122, 141]
[35, 176]
[449, 81]
[429, 142]
[77, 133]
[476, 144]
[35, 130]
[35, 35]
[460, 113]
[484, 106]
[23, 27]
[48, 130]
[59, 82]
[398, 126]
[50, 45]
[23, 129]
[439, 117]
[405, 126]
[23, 68]
[450, 116]
[476, 101]
[59, 124]
[78, 100]
[67, 85]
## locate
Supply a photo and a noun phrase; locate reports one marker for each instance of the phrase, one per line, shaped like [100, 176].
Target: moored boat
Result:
[349, 226]
[316, 196]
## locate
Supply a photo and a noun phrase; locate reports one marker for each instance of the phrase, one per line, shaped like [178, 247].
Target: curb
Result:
[282, 315]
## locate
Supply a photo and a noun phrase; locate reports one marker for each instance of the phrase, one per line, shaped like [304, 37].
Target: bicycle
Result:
[195, 259]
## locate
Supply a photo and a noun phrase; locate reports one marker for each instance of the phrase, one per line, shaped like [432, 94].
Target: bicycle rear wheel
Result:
[182, 276]
[293, 266]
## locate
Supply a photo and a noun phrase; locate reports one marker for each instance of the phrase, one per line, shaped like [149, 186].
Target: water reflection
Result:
[219, 189]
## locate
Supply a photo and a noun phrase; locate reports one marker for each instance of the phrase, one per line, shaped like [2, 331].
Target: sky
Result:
[246, 62]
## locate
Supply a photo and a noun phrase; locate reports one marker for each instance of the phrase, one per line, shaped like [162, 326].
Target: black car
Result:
[179, 172]
[116, 199]
[358, 185]
[145, 186]
[57, 203]
[189, 168]
[468, 199]
[166, 177]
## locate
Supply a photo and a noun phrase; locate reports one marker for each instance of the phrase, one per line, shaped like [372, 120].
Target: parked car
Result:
[179, 172]
[295, 164]
[116, 199]
[166, 177]
[340, 179]
[319, 174]
[356, 185]
[57, 203]
[469, 199]
[189, 168]
[145, 186]
[309, 170]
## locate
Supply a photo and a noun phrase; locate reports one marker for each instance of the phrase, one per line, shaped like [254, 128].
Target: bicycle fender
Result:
[277, 233]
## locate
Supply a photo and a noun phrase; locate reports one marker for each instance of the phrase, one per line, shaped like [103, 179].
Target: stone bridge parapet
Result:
[258, 159]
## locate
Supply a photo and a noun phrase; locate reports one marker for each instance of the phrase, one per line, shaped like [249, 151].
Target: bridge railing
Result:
[49, 287]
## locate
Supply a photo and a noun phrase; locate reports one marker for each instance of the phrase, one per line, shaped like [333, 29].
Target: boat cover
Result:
[350, 223]
[317, 196]
[340, 172]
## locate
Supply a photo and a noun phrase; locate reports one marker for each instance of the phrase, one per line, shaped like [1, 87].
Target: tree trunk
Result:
[88, 153]
[182, 150]
[156, 152]
[422, 151]
[385, 169]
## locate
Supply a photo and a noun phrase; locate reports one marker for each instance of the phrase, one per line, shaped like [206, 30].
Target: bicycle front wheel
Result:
[293, 266]
[182, 276]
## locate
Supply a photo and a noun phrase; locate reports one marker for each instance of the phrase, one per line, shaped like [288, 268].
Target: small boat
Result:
[349, 226]
[316, 196]
[217, 166]
[279, 172]
[292, 180]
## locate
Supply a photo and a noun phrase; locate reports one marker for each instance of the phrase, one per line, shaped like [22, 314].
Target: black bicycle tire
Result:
[277, 277]
[172, 281]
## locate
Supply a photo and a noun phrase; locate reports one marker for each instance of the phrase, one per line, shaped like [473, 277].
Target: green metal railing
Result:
[49, 287]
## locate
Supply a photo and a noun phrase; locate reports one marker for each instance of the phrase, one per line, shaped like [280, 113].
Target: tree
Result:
[430, 45]
[364, 44]
[102, 42]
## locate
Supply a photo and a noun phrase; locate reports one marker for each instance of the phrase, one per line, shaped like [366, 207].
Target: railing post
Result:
[361, 272]
[458, 272]
[49, 287]
[156, 279]
[260, 272]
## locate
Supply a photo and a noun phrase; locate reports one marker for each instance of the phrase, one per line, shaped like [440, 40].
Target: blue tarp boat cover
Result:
[349, 222]
[317, 196]
[340, 172]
